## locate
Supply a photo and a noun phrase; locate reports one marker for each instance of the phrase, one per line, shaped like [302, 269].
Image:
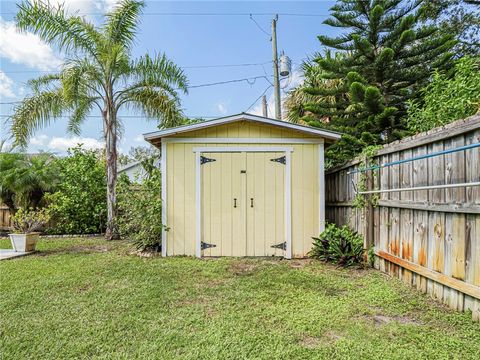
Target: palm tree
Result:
[25, 178]
[98, 73]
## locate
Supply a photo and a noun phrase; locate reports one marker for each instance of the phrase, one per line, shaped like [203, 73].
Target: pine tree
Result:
[388, 55]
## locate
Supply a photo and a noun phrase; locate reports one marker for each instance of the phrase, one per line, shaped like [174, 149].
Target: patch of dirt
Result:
[84, 288]
[310, 342]
[209, 283]
[202, 302]
[380, 319]
[79, 249]
[299, 263]
[242, 268]
[328, 338]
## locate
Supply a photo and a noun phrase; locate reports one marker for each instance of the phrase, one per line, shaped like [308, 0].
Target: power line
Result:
[261, 29]
[263, 93]
[202, 14]
[183, 67]
[126, 116]
[249, 80]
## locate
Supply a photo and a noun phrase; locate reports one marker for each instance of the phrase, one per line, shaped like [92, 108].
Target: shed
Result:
[242, 185]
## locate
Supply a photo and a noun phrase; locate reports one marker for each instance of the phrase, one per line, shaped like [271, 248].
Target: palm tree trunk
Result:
[110, 128]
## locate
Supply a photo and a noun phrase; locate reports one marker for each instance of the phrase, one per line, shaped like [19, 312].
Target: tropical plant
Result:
[29, 220]
[391, 56]
[98, 72]
[26, 178]
[341, 246]
[79, 204]
[140, 208]
[447, 98]
[301, 101]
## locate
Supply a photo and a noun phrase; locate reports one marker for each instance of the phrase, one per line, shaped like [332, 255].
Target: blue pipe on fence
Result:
[443, 152]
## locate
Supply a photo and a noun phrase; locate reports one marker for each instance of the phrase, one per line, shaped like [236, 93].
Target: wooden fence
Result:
[5, 221]
[428, 238]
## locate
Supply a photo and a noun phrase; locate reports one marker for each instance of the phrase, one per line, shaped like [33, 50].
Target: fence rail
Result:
[427, 231]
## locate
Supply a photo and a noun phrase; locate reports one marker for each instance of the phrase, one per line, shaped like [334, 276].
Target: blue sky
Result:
[189, 41]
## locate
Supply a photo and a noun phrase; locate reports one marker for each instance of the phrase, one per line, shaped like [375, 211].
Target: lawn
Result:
[87, 298]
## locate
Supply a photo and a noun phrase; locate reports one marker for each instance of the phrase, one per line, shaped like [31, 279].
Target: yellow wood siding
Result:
[181, 191]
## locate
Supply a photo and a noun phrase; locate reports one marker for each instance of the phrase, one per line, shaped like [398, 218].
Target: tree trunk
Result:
[110, 128]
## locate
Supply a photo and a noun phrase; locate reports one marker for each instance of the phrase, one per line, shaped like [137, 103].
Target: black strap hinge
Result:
[281, 160]
[282, 246]
[204, 160]
[205, 245]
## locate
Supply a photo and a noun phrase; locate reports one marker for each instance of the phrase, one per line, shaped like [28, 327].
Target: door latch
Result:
[235, 202]
[251, 202]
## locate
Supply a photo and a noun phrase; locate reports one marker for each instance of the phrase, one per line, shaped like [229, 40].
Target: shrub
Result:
[29, 220]
[79, 206]
[342, 246]
[140, 209]
[447, 98]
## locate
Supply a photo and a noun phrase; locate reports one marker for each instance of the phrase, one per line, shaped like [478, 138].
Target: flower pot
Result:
[24, 242]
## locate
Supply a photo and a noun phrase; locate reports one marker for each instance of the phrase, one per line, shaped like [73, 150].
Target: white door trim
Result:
[288, 190]
[163, 178]
[321, 188]
[244, 140]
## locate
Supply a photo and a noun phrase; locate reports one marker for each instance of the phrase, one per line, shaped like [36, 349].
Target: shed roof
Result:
[329, 135]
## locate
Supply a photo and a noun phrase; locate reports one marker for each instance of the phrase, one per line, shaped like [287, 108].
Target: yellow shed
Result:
[242, 185]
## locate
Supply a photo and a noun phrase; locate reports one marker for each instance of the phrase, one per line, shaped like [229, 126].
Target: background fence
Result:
[428, 238]
[5, 221]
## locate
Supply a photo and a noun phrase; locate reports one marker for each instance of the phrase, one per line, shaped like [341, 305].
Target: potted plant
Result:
[26, 223]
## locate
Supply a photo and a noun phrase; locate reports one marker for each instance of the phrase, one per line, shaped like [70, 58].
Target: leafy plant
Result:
[140, 209]
[342, 246]
[25, 179]
[360, 201]
[79, 206]
[29, 220]
[447, 98]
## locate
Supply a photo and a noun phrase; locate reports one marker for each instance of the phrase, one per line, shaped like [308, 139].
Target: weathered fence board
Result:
[428, 238]
[5, 218]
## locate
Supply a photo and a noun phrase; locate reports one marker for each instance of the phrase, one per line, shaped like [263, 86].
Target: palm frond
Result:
[35, 112]
[156, 104]
[158, 69]
[82, 107]
[55, 26]
[123, 21]
[44, 81]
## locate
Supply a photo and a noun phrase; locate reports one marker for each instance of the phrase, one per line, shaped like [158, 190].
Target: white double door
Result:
[243, 203]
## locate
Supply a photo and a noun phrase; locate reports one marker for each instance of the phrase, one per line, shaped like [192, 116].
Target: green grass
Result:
[87, 298]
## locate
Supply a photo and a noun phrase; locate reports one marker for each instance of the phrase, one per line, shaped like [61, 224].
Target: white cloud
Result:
[39, 140]
[85, 7]
[222, 108]
[63, 144]
[25, 48]
[139, 138]
[6, 85]
[28, 49]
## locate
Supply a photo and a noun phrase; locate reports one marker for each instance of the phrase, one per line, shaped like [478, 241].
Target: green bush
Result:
[140, 209]
[447, 98]
[342, 246]
[79, 206]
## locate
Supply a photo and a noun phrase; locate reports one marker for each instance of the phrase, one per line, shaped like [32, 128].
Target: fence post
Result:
[369, 218]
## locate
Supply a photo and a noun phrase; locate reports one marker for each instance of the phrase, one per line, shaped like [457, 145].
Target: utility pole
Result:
[276, 77]
[264, 106]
